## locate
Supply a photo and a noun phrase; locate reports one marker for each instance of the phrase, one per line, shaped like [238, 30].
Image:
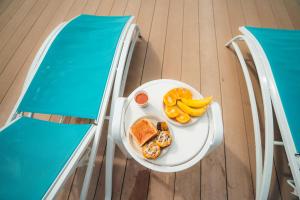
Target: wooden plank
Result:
[76, 9]
[250, 12]
[105, 7]
[15, 90]
[190, 73]
[7, 74]
[144, 21]
[133, 8]
[265, 13]
[119, 7]
[59, 17]
[9, 12]
[91, 7]
[237, 20]
[293, 8]
[154, 57]
[239, 184]
[15, 22]
[4, 4]
[173, 47]
[135, 184]
[35, 24]
[281, 15]
[213, 171]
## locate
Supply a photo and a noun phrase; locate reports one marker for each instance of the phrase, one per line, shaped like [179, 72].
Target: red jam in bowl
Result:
[141, 98]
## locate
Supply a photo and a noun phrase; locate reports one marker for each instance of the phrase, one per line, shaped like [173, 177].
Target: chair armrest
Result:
[116, 119]
[116, 124]
[216, 123]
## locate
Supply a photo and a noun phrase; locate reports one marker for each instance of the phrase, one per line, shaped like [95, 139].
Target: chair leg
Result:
[291, 183]
[89, 170]
[110, 151]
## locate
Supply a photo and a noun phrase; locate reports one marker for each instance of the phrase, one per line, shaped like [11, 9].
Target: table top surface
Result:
[188, 140]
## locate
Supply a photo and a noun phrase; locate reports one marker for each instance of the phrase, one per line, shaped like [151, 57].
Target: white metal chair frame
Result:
[263, 170]
[116, 80]
[270, 97]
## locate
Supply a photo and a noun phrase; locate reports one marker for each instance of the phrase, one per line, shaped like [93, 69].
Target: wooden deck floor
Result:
[184, 40]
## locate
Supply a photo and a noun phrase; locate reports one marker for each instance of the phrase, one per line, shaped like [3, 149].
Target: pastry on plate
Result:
[162, 126]
[151, 150]
[164, 139]
[142, 131]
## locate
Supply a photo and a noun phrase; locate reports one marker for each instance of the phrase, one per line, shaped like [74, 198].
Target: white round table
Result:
[190, 142]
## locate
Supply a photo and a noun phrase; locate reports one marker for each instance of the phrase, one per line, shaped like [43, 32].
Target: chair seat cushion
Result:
[32, 154]
[282, 48]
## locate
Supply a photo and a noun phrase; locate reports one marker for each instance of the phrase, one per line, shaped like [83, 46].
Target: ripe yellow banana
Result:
[197, 103]
[194, 112]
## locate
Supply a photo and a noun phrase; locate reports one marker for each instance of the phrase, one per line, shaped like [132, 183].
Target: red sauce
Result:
[141, 98]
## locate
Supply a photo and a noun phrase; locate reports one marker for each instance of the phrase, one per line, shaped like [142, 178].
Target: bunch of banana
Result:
[194, 107]
[194, 112]
[182, 109]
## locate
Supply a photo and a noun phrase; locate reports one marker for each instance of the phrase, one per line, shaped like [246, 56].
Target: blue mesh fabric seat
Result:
[32, 153]
[71, 79]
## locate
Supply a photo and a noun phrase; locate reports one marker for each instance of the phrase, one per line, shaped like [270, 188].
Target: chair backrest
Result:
[282, 48]
[72, 77]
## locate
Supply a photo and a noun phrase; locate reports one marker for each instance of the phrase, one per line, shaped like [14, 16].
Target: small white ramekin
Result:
[141, 92]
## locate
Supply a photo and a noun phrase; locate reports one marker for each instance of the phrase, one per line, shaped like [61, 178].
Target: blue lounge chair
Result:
[276, 54]
[76, 70]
